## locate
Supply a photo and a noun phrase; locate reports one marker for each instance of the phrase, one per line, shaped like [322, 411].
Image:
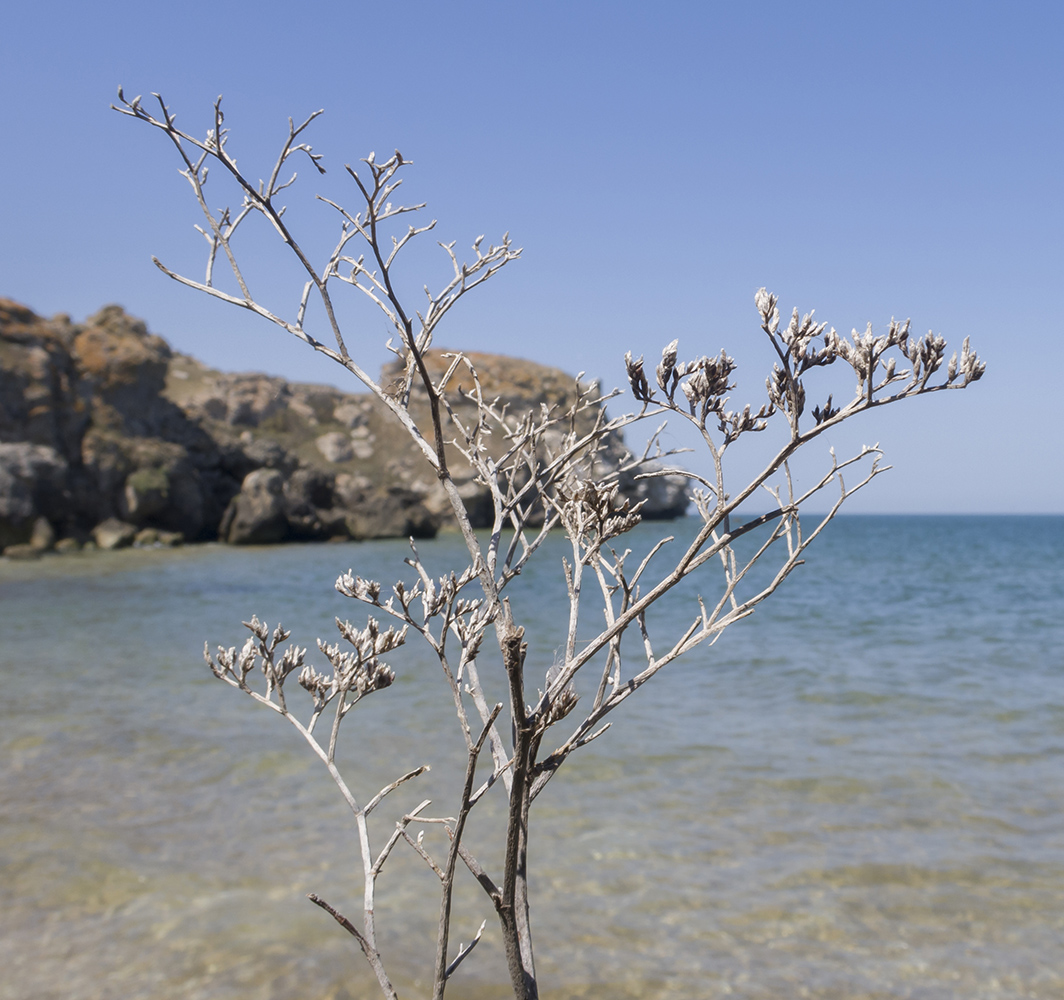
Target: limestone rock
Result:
[43, 536]
[311, 506]
[114, 534]
[22, 552]
[92, 393]
[392, 512]
[520, 386]
[32, 485]
[152, 537]
[256, 514]
[126, 368]
[336, 447]
[102, 422]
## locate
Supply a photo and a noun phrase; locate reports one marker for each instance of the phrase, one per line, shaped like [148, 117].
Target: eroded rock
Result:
[33, 481]
[256, 514]
[23, 552]
[114, 534]
[336, 447]
[42, 537]
[103, 423]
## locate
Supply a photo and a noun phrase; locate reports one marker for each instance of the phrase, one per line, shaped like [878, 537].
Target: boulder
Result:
[261, 452]
[43, 536]
[336, 447]
[22, 552]
[151, 537]
[310, 506]
[256, 514]
[146, 538]
[114, 534]
[395, 512]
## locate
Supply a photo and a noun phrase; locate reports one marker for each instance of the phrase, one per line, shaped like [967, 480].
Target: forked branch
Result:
[543, 471]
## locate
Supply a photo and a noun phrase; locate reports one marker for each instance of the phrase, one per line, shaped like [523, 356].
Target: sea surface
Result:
[857, 792]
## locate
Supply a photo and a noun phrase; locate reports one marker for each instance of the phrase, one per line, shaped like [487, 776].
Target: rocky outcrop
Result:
[101, 423]
[87, 432]
[519, 386]
[33, 481]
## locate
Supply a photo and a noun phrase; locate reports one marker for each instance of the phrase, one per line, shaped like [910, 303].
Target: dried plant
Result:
[543, 474]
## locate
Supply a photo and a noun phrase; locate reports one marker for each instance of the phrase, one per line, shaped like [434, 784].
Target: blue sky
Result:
[657, 163]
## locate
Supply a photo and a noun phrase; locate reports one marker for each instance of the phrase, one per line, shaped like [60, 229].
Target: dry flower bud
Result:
[766, 306]
[258, 629]
[637, 378]
[666, 371]
[828, 411]
[292, 660]
[358, 588]
[247, 657]
[320, 687]
[596, 511]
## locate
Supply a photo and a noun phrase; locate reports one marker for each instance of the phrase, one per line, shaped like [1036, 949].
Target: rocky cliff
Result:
[108, 434]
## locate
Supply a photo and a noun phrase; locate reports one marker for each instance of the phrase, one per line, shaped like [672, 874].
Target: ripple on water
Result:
[855, 794]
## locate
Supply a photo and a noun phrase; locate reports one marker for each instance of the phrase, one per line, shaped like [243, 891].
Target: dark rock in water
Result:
[102, 422]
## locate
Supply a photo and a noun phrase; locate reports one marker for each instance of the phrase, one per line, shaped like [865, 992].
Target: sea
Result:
[857, 792]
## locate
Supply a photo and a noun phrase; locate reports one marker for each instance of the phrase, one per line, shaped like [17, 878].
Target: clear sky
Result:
[657, 163]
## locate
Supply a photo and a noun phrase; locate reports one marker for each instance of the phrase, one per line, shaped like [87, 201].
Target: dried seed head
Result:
[258, 629]
[707, 383]
[828, 411]
[666, 372]
[767, 307]
[637, 378]
[358, 588]
[596, 512]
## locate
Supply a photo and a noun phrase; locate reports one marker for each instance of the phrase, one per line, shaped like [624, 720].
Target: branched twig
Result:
[554, 468]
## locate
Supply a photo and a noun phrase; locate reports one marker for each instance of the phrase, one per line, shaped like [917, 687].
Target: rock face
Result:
[87, 432]
[33, 484]
[102, 424]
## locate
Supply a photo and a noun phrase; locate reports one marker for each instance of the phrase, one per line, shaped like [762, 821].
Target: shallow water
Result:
[856, 793]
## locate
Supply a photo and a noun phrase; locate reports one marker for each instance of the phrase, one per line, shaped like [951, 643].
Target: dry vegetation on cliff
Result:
[102, 423]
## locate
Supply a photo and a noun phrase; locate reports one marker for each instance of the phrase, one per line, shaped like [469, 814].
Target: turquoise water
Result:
[856, 793]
